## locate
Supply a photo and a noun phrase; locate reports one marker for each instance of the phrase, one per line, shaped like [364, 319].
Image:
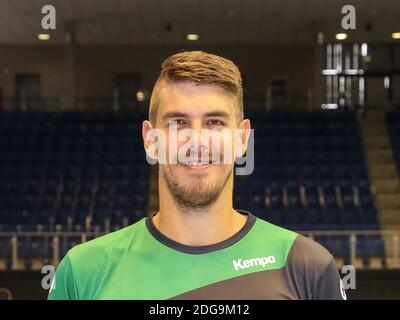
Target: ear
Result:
[149, 142]
[245, 126]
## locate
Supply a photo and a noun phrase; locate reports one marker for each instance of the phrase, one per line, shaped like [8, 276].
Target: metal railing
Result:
[31, 104]
[390, 237]
[252, 103]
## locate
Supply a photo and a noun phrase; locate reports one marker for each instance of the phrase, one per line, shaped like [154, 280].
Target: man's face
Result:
[200, 110]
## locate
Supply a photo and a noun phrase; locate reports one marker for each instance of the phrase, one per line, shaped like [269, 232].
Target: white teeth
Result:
[195, 164]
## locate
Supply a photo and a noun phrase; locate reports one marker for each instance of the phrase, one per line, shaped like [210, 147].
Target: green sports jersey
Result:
[260, 261]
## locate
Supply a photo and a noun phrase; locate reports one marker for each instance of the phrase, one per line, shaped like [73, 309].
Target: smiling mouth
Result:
[196, 164]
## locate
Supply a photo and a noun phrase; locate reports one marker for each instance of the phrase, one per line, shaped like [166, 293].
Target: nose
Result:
[200, 140]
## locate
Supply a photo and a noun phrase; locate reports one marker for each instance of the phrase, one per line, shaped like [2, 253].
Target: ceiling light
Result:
[329, 106]
[341, 36]
[364, 50]
[396, 35]
[192, 37]
[43, 36]
[140, 96]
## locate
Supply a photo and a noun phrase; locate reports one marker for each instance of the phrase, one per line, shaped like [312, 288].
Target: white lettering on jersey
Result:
[243, 264]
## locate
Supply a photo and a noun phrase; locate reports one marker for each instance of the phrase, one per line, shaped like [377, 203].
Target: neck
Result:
[208, 226]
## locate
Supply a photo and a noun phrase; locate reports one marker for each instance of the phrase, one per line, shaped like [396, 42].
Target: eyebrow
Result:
[174, 114]
[222, 114]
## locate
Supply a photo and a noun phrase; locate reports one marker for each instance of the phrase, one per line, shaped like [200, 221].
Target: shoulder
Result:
[315, 271]
[309, 268]
[302, 249]
[85, 266]
[308, 253]
[104, 248]
[302, 253]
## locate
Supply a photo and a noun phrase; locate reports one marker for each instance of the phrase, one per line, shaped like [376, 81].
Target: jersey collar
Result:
[251, 219]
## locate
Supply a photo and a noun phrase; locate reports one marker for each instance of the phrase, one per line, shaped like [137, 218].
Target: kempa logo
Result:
[243, 264]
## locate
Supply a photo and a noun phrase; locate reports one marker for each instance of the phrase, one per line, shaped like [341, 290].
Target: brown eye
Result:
[215, 122]
[177, 122]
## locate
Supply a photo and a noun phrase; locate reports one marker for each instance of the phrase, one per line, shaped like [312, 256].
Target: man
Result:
[197, 246]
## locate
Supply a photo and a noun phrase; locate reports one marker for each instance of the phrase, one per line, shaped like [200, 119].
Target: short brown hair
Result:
[201, 68]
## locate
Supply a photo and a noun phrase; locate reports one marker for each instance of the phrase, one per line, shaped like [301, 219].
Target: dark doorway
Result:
[27, 91]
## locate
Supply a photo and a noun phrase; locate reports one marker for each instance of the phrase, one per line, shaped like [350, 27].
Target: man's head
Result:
[197, 92]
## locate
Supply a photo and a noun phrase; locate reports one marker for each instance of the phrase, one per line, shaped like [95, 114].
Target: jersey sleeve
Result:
[63, 286]
[330, 285]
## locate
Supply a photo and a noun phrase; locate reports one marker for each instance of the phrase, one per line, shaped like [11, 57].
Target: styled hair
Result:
[200, 68]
